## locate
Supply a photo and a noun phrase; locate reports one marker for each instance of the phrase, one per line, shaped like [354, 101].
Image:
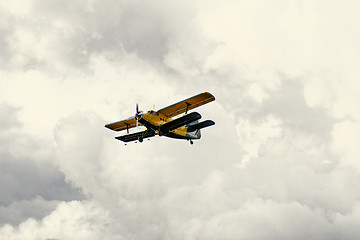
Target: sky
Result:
[282, 161]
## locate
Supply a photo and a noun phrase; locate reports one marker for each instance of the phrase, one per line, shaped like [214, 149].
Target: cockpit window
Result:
[152, 112]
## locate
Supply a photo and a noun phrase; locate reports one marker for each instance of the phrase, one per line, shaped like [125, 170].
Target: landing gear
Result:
[191, 142]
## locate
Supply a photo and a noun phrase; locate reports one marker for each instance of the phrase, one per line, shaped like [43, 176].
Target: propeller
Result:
[137, 115]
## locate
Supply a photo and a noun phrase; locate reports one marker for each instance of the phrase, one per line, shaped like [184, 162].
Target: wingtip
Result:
[210, 95]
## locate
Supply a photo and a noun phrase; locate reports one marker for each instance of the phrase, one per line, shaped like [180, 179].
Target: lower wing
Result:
[179, 122]
[136, 136]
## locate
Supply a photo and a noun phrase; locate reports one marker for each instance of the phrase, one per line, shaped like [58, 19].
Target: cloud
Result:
[282, 156]
[30, 183]
[345, 138]
[19, 211]
[83, 220]
[188, 196]
[9, 118]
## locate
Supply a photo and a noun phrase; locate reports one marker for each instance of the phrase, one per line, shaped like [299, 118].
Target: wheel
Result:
[191, 142]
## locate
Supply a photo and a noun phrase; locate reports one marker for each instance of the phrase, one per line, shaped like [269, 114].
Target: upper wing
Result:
[122, 125]
[190, 103]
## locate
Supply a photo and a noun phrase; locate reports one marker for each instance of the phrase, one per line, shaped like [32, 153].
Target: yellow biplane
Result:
[161, 122]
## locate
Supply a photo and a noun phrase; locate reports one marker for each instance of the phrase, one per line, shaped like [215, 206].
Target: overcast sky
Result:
[282, 161]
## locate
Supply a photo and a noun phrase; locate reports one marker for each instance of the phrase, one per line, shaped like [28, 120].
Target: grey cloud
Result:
[204, 194]
[143, 31]
[19, 211]
[26, 172]
[70, 33]
[285, 101]
[8, 117]
[23, 179]
[5, 52]
[292, 187]
[289, 104]
[164, 35]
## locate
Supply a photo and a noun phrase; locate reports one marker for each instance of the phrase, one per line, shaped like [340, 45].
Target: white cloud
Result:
[282, 74]
[17, 7]
[346, 136]
[72, 219]
[293, 37]
[165, 196]
[253, 135]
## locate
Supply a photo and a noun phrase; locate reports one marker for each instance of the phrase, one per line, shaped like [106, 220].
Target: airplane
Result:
[162, 123]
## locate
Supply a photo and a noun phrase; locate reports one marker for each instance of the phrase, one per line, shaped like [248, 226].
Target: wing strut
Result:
[127, 127]
[187, 107]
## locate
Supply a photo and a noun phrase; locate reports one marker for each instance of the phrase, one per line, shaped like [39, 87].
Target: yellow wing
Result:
[122, 125]
[187, 104]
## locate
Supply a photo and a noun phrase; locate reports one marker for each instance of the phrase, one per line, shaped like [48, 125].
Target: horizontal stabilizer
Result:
[201, 125]
[181, 121]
